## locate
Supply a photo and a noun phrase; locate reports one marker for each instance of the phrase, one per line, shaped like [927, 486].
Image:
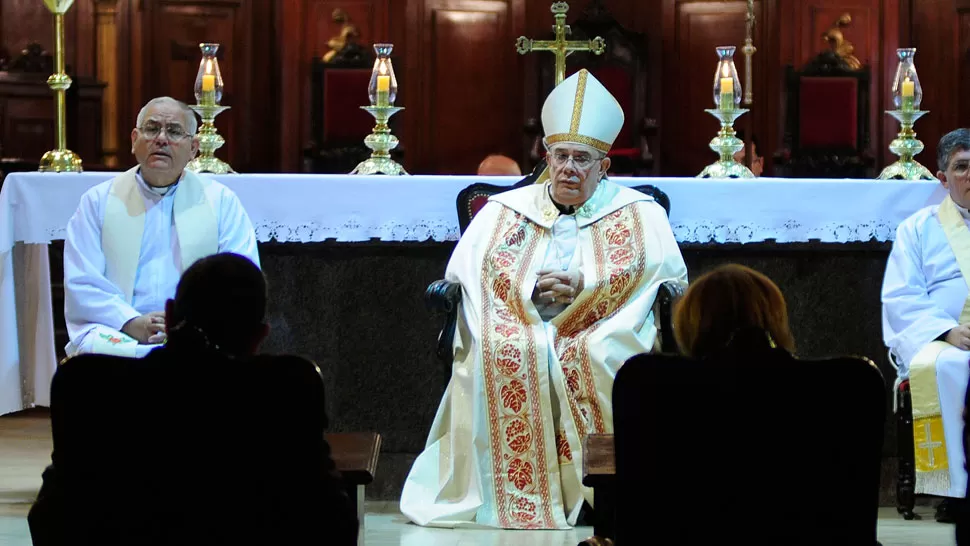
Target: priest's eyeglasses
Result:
[151, 130]
[582, 161]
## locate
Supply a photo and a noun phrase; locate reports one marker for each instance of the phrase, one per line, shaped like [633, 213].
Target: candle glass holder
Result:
[907, 97]
[382, 91]
[727, 84]
[727, 99]
[208, 81]
[208, 94]
[906, 90]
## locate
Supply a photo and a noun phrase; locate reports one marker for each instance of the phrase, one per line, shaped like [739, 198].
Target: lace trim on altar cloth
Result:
[443, 230]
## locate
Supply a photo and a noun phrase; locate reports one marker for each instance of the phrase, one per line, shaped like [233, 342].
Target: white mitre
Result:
[580, 110]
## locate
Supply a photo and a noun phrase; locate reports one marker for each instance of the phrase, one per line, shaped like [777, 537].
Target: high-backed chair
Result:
[622, 69]
[337, 124]
[750, 437]
[207, 450]
[827, 121]
[445, 296]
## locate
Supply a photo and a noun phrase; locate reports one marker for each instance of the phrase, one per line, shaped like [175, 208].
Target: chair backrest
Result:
[473, 198]
[756, 442]
[337, 124]
[827, 107]
[136, 437]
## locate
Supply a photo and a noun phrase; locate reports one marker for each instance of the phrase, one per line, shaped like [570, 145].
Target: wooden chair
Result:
[356, 454]
[445, 296]
[142, 455]
[751, 434]
[622, 69]
[827, 122]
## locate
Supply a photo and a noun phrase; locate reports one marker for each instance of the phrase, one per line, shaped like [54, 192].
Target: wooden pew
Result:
[355, 454]
[599, 472]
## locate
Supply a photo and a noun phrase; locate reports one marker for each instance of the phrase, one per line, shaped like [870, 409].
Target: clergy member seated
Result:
[200, 442]
[499, 165]
[558, 282]
[133, 236]
[757, 160]
[926, 322]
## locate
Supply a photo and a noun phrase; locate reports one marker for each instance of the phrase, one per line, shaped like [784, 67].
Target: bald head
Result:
[499, 165]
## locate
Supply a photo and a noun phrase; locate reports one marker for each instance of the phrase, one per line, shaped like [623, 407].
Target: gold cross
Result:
[560, 47]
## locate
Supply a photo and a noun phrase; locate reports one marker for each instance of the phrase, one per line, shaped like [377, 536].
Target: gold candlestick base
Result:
[906, 145]
[725, 144]
[209, 141]
[60, 161]
[381, 141]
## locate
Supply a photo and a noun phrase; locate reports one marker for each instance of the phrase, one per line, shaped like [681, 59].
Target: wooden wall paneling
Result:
[263, 110]
[467, 47]
[936, 27]
[174, 31]
[304, 27]
[691, 32]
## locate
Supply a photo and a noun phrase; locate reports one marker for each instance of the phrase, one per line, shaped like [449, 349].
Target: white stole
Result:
[124, 225]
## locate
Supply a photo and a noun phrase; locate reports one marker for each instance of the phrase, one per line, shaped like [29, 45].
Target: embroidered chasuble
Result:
[127, 246]
[925, 294]
[505, 447]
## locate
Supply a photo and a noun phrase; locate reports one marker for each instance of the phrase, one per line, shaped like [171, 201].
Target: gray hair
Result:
[191, 124]
[955, 141]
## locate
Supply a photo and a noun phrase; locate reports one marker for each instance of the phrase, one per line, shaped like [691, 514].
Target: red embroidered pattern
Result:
[510, 367]
[620, 263]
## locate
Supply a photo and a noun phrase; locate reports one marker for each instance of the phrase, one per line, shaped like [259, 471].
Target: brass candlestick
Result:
[727, 97]
[381, 141]
[60, 159]
[209, 141]
[906, 145]
[208, 93]
[907, 96]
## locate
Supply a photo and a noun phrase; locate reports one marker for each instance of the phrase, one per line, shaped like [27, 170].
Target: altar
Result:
[348, 258]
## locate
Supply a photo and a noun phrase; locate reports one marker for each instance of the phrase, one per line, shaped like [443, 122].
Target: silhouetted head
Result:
[220, 300]
[730, 299]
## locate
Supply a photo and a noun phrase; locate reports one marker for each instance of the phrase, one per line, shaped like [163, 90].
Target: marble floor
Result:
[25, 450]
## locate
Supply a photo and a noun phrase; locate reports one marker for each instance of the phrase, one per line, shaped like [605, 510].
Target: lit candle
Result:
[208, 82]
[727, 94]
[383, 90]
[908, 94]
[909, 88]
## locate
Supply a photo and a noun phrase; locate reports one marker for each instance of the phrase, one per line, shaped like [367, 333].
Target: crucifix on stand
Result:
[560, 46]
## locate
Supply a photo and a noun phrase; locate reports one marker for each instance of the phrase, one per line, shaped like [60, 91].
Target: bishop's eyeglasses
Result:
[583, 161]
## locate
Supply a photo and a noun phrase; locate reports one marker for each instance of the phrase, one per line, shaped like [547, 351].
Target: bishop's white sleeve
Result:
[89, 297]
[236, 233]
[910, 318]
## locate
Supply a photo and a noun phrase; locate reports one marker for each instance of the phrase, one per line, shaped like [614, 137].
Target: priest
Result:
[132, 237]
[558, 282]
[926, 322]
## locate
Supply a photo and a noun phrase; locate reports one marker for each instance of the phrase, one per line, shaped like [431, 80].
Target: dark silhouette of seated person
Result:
[744, 424]
[199, 442]
[732, 308]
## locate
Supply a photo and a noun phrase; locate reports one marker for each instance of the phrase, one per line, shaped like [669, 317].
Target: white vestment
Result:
[923, 296]
[505, 446]
[127, 246]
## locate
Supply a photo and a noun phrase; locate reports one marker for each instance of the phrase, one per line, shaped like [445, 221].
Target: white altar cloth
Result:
[35, 208]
